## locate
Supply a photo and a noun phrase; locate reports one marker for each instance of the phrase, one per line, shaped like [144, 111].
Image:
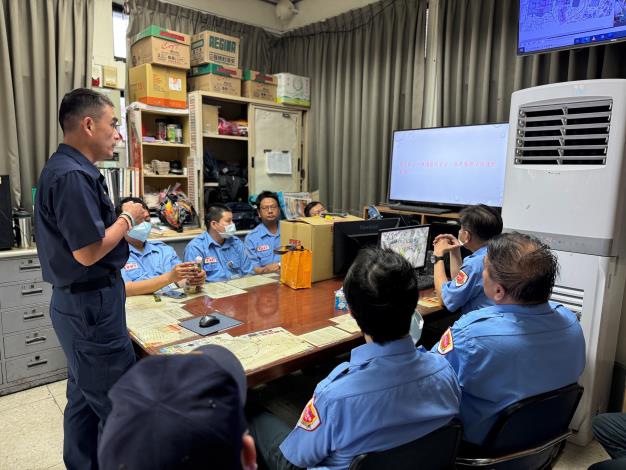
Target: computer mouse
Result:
[209, 320]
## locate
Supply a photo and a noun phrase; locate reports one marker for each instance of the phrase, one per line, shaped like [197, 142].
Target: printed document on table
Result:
[152, 327]
[185, 348]
[251, 281]
[347, 323]
[325, 336]
[219, 290]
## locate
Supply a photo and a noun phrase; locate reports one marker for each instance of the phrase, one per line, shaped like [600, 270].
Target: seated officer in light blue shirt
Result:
[465, 291]
[520, 347]
[153, 266]
[388, 394]
[222, 252]
[261, 241]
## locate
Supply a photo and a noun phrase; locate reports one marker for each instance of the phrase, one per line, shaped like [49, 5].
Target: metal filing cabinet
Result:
[30, 353]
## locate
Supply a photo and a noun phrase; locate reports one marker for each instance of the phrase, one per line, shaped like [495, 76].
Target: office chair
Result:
[434, 451]
[527, 435]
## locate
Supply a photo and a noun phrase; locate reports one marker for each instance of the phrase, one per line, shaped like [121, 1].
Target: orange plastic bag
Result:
[295, 268]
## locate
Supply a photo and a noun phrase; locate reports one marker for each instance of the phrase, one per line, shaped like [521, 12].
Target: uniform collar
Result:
[210, 241]
[264, 231]
[80, 159]
[148, 248]
[537, 309]
[481, 251]
[368, 351]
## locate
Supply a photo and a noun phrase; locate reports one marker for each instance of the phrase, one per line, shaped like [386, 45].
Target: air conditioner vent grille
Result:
[569, 297]
[569, 133]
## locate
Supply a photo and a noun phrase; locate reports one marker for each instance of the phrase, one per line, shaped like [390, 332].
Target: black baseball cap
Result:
[177, 412]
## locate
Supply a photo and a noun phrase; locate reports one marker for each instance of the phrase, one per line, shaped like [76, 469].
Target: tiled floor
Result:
[31, 433]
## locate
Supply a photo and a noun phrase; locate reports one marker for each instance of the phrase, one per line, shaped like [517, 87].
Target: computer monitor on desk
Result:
[350, 237]
[410, 242]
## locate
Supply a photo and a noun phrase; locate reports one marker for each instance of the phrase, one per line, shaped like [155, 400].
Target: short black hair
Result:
[214, 213]
[309, 206]
[381, 291]
[79, 103]
[118, 209]
[523, 265]
[482, 221]
[265, 195]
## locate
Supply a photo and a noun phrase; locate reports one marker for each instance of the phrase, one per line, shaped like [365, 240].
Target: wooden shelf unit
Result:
[425, 217]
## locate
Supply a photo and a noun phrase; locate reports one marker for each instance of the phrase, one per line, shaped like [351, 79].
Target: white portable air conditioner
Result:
[565, 183]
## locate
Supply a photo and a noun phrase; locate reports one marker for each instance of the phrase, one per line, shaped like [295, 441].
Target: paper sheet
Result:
[325, 336]
[219, 290]
[152, 327]
[278, 163]
[185, 348]
[347, 323]
[254, 350]
[251, 281]
[272, 275]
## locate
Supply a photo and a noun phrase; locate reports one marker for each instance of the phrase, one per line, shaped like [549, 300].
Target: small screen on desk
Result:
[409, 242]
[449, 165]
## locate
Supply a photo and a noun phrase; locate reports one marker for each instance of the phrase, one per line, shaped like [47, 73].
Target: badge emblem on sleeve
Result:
[130, 266]
[310, 418]
[445, 343]
[460, 279]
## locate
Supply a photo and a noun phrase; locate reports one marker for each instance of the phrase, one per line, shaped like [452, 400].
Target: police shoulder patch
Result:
[445, 343]
[460, 279]
[310, 418]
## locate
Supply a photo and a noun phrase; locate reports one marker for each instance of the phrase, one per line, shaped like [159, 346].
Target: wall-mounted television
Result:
[449, 166]
[548, 25]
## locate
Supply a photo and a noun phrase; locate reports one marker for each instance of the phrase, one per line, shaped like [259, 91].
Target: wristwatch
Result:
[434, 258]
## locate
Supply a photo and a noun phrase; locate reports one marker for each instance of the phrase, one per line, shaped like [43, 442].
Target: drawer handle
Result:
[30, 267]
[33, 316]
[37, 363]
[37, 291]
[38, 339]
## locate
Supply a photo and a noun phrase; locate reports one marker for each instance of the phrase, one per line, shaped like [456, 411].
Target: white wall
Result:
[103, 39]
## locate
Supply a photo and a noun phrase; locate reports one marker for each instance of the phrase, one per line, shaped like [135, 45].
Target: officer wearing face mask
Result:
[222, 252]
[153, 266]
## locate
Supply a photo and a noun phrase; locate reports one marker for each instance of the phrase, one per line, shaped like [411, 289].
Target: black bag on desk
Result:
[244, 215]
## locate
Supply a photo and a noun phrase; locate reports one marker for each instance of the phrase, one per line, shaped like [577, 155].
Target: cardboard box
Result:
[162, 33]
[157, 51]
[293, 89]
[216, 48]
[259, 77]
[210, 116]
[260, 91]
[216, 79]
[158, 86]
[315, 234]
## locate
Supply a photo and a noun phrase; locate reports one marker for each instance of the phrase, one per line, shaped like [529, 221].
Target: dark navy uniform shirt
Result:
[505, 353]
[387, 395]
[72, 210]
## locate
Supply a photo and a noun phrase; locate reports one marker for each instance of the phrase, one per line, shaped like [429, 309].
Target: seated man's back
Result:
[520, 347]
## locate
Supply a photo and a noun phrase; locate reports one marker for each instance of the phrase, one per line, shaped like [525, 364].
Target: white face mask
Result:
[141, 231]
[229, 231]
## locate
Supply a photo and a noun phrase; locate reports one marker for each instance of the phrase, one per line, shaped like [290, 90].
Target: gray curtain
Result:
[255, 42]
[46, 50]
[366, 70]
[473, 67]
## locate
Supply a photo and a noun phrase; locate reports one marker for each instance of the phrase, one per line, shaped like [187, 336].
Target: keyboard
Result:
[424, 209]
[425, 281]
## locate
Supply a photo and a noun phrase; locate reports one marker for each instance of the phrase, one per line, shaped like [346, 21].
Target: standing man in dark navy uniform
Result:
[81, 246]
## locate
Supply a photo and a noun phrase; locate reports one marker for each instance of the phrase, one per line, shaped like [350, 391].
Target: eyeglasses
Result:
[269, 208]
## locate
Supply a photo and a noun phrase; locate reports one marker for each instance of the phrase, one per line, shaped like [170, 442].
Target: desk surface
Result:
[275, 305]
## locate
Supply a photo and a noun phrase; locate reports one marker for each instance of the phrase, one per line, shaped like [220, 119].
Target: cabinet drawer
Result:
[30, 365]
[30, 342]
[20, 269]
[25, 318]
[25, 293]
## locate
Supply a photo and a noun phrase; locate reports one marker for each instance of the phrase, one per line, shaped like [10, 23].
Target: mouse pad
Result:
[225, 323]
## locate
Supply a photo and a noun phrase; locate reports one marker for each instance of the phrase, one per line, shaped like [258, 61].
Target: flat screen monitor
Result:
[409, 242]
[350, 237]
[548, 25]
[451, 166]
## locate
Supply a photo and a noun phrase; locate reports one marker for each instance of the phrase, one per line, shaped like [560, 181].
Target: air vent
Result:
[570, 298]
[563, 134]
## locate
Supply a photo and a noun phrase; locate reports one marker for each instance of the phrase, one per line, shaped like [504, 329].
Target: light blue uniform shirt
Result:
[387, 395]
[465, 291]
[220, 262]
[260, 244]
[505, 353]
[156, 258]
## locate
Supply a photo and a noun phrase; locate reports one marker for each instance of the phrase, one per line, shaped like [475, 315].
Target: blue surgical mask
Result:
[140, 231]
[229, 231]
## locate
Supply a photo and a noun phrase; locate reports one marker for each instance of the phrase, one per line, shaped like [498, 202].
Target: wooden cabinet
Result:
[274, 132]
[422, 217]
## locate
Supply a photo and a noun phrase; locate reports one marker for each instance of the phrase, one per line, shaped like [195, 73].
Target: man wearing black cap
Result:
[179, 412]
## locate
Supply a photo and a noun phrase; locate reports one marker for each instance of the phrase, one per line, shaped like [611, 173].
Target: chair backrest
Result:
[434, 451]
[533, 421]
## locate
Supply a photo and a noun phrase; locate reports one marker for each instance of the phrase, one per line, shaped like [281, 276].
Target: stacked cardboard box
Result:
[216, 79]
[258, 85]
[293, 89]
[215, 62]
[160, 59]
